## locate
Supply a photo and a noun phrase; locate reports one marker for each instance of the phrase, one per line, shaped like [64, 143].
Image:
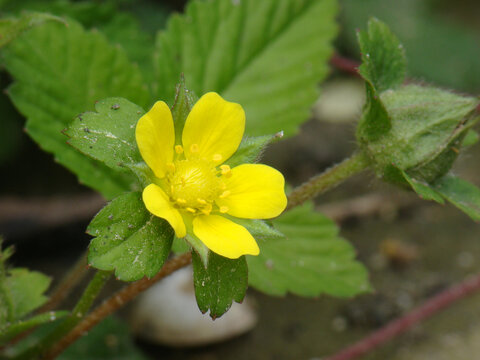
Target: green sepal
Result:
[128, 239]
[251, 148]
[11, 28]
[422, 188]
[20, 326]
[310, 260]
[220, 283]
[259, 229]
[384, 63]
[470, 139]
[461, 194]
[108, 134]
[182, 105]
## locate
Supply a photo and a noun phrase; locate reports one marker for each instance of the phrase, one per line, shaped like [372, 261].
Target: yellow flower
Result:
[192, 190]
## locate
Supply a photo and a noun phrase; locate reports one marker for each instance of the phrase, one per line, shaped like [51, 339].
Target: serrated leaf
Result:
[108, 134]
[60, 72]
[21, 292]
[21, 326]
[11, 28]
[310, 260]
[266, 55]
[220, 283]
[460, 193]
[383, 57]
[128, 239]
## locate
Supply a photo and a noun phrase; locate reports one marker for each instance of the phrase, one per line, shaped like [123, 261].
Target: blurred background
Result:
[413, 249]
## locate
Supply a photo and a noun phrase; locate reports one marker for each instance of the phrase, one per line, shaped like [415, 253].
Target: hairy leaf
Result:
[60, 72]
[266, 55]
[128, 239]
[310, 260]
[220, 283]
[108, 134]
[460, 193]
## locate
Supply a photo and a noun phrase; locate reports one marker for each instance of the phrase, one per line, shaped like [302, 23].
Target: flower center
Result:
[194, 185]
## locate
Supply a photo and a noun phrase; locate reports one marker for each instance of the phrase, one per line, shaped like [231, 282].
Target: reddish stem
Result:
[345, 64]
[401, 325]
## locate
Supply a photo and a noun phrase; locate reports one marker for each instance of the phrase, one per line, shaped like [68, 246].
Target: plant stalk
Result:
[327, 180]
[115, 302]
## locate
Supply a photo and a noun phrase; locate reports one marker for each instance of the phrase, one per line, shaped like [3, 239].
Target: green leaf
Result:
[128, 239]
[383, 57]
[219, 284]
[11, 28]
[108, 135]
[60, 72]
[460, 193]
[310, 260]
[375, 121]
[268, 55]
[21, 326]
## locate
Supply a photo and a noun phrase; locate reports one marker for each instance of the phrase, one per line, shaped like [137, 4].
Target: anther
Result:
[171, 167]
[226, 170]
[201, 201]
[181, 201]
[217, 157]
[192, 210]
[224, 194]
[223, 209]
[207, 210]
[178, 149]
[194, 148]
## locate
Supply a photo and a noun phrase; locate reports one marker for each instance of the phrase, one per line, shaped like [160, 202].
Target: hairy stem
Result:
[67, 284]
[113, 303]
[327, 180]
[396, 327]
[77, 314]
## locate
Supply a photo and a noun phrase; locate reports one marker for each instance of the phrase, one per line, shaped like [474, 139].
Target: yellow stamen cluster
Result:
[195, 184]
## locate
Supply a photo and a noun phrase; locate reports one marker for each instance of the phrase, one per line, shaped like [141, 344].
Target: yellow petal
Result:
[213, 129]
[156, 201]
[155, 137]
[224, 237]
[254, 191]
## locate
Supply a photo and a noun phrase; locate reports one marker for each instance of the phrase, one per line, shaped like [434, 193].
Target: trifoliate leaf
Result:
[60, 72]
[11, 28]
[310, 260]
[21, 326]
[108, 134]
[128, 239]
[460, 193]
[220, 283]
[383, 57]
[268, 56]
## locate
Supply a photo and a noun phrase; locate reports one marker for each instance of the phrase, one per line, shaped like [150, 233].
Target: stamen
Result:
[171, 189]
[223, 186]
[190, 210]
[171, 167]
[201, 201]
[207, 210]
[194, 148]
[178, 149]
[224, 194]
[217, 157]
[226, 170]
[223, 209]
[181, 201]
